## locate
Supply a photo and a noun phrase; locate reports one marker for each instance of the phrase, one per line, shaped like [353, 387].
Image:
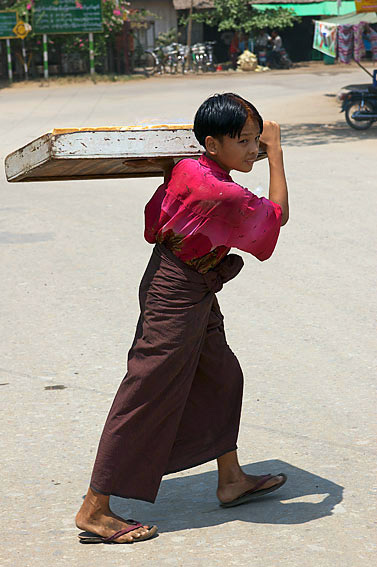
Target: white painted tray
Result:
[101, 153]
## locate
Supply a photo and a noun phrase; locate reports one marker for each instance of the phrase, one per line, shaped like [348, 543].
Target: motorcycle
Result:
[359, 102]
[278, 59]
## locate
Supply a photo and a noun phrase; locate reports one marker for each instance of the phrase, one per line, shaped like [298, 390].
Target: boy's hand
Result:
[270, 139]
[165, 164]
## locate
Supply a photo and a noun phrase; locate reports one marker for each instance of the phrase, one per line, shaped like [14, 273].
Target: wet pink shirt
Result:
[201, 213]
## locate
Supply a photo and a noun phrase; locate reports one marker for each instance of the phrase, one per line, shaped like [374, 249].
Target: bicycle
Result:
[170, 54]
[183, 52]
[199, 57]
[152, 62]
[211, 65]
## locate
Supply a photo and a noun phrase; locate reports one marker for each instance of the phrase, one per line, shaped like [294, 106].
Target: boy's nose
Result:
[254, 152]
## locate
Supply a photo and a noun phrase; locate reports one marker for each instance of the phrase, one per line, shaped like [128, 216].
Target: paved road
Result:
[302, 325]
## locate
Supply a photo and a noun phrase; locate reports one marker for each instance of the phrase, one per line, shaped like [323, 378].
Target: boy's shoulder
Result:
[199, 169]
[187, 165]
[189, 171]
[205, 181]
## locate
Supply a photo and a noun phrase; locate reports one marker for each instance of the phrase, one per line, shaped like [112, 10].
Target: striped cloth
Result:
[358, 43]
[345, 43]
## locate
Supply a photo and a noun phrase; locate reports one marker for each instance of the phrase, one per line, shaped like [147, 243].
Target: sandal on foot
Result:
[256, 491]
[90, 537]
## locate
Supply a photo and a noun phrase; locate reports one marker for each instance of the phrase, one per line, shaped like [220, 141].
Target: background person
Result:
[261, 46]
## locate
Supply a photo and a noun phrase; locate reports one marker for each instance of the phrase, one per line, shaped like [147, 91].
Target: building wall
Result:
[166, 12]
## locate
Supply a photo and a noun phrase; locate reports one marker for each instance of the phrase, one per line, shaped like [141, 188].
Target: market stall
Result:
[345, 36]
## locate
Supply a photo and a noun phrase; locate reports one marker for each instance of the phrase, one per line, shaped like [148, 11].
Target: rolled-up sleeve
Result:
[259, 226]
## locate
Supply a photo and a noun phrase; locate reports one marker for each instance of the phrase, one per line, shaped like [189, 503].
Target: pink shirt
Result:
[201, 213]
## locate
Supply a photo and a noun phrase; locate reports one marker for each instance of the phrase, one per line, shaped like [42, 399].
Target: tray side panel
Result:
[151, 143]
[19, 163]
[64, 169]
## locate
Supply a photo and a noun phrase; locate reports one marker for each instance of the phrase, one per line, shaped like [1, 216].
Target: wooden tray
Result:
[101, 153]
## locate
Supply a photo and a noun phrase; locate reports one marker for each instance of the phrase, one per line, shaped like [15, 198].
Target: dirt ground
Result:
[311, 67]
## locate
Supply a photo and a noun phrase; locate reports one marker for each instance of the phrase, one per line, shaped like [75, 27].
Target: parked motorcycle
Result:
[279, 59]
[359, 102]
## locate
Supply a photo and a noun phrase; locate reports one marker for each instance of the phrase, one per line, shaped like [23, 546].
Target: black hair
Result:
[224, 115]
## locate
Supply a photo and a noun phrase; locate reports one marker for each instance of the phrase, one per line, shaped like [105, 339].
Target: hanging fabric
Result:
[358, 43]
[345, 43]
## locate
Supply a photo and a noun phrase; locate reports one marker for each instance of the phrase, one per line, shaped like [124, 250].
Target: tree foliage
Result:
[166, 38]
[239, 15]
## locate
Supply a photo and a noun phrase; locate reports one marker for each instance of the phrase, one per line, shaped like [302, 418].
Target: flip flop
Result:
[256, 491]
[90, 537]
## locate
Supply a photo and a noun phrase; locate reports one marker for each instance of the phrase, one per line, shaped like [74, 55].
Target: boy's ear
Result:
[211, 145]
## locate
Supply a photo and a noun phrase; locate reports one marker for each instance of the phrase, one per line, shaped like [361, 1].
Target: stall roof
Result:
[352, 19]
[310, 8]
[302, 7]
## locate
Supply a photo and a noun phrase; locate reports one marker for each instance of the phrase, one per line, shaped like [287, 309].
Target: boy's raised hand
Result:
[270, 139]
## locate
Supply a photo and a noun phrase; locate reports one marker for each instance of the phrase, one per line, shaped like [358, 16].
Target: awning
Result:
[353, 19]
[313, 9]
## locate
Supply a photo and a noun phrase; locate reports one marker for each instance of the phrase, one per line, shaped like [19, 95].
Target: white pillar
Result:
[9, 59]
[45, 56]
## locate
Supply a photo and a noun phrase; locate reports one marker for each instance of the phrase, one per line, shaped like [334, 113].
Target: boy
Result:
[180, 402]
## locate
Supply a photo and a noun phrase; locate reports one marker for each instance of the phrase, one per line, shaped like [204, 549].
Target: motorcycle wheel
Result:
[357, 124]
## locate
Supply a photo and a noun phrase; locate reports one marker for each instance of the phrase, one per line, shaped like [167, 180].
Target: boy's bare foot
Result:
[96, 516]
[229, 491]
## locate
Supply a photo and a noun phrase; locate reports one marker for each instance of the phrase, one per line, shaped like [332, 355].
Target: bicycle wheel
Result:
[148, 63]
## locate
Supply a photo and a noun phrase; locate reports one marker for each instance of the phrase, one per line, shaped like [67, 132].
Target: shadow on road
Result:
[307, 134]
[190, 502]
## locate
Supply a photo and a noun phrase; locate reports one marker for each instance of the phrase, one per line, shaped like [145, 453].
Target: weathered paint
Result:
[99, 153]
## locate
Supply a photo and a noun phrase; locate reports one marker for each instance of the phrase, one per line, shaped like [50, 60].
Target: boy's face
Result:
[237, 153]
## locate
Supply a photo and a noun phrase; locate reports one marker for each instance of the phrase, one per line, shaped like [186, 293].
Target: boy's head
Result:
[224, 115]
[229, 127]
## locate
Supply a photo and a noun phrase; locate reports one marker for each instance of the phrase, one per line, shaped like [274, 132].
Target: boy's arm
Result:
[278, 192]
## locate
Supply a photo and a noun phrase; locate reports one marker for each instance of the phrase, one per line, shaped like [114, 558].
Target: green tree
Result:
[239, 15]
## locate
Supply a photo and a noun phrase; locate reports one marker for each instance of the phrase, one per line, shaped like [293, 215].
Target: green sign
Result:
[7, 22]
[67, 16]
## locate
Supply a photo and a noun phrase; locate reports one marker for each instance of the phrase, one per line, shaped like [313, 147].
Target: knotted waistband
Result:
[226, 269]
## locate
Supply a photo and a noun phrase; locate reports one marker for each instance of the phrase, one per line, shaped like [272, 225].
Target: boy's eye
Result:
[244, 141]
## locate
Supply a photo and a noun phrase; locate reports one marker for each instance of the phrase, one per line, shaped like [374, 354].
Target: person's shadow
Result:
[189, 501]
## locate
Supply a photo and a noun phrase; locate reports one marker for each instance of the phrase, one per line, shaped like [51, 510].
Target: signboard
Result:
[8, 20]
[67, 16]
[325, 38]
[21, 29]
[366, 5]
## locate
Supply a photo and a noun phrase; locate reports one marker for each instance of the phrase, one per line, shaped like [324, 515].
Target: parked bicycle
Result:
[152, 62]
[176, 58]
[199, 57]
[211, 66]
[202, 57]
